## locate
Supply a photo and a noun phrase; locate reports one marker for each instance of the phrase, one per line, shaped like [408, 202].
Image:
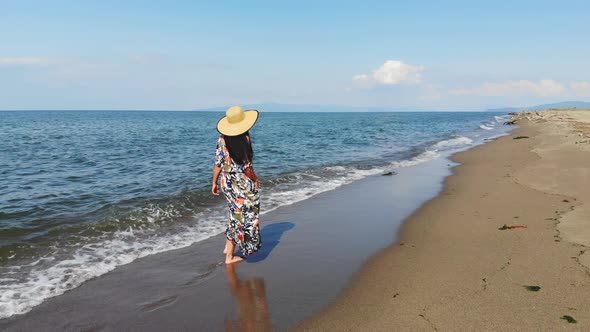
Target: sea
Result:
[83, 192]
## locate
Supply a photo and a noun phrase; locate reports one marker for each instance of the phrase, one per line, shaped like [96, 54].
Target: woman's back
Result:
[231, 161]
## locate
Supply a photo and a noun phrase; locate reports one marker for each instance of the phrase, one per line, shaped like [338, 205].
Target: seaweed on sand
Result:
[569, 319]
[520, 137]
[533, 288]
[505, 227]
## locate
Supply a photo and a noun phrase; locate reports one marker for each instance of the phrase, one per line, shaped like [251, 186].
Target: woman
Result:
[239, 183]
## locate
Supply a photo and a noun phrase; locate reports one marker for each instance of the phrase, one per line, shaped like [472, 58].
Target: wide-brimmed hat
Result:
[236, 121]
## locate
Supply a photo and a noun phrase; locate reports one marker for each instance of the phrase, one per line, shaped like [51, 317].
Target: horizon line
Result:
[212, 110]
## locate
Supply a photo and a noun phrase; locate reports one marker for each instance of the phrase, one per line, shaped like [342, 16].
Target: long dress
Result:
[243, 201]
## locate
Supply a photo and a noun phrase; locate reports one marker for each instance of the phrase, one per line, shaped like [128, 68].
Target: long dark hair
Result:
[239, 147]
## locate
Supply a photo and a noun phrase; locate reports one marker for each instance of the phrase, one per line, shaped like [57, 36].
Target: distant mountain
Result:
[276, 107]
[563, 104]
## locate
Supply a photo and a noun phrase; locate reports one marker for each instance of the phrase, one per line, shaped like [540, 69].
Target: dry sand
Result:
[453, 269]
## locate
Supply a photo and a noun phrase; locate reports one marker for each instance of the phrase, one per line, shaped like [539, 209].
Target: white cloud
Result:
[360, 78]
[24, 61]
[391, 72]
[395, 72]
[542, 88]
[580, 89]
[363, 82]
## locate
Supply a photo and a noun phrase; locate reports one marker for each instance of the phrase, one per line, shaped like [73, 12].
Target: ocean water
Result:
[84, 192]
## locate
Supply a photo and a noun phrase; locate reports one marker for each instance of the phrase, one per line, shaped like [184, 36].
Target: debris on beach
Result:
[534, 116]
[389, 173]
[505, 227]
[520, 137]
[533, 288]
[569, 319]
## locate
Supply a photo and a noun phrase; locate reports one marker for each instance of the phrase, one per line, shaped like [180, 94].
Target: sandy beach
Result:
[456, 267]
[420, 250]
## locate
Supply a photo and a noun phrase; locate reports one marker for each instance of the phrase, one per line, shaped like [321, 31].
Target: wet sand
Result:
[453, 268]
[312, 250]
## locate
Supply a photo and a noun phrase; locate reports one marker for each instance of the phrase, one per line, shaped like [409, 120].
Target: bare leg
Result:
[229, 255]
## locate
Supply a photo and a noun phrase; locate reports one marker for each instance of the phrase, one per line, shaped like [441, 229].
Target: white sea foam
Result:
[453, 143]
[335, 168]
[484, 127]
[501, 118]
[46, 278]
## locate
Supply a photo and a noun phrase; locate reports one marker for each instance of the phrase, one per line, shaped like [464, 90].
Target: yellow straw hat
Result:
[236, 121]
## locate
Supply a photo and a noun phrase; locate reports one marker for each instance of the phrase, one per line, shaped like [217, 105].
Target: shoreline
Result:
[109, 231]
[312, 250]
[455, 269]
[448, 266]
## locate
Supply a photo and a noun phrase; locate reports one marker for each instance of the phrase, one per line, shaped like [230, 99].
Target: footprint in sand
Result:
[153, 306]
[197, 279]
[200, 278]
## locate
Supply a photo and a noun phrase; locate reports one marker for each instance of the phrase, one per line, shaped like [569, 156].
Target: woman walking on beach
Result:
[239, 183]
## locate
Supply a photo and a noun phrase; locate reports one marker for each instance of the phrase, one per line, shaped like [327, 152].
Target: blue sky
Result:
[182, 55]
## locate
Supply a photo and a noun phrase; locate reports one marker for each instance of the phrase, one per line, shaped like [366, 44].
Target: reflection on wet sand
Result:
[253, 313]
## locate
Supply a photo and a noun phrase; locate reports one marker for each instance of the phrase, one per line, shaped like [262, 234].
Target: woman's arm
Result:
[215, 186]
[252, 174]
[256, 182]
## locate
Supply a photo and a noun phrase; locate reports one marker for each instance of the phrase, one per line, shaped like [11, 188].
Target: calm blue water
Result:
[84, 192]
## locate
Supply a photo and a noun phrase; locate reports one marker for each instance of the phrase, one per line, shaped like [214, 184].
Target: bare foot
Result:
[233, 259]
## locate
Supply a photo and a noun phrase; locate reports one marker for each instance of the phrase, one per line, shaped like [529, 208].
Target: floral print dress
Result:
[242, 199]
